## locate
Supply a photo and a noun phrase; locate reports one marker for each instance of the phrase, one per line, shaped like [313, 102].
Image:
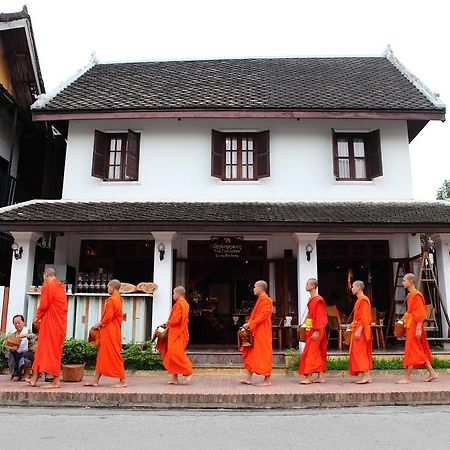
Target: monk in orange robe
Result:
[109, 358]
[314, 356]
[361, 340]
[417, 351]
[173, 350]
[258, 358]
[52, 314]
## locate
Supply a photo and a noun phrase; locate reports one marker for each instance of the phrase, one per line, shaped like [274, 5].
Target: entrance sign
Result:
[227, 247]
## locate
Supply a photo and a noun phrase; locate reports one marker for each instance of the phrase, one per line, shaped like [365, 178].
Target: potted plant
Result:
[77, 353]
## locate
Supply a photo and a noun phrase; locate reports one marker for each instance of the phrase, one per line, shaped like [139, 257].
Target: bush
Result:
[3, 352]
[142, 357]
[79, 351]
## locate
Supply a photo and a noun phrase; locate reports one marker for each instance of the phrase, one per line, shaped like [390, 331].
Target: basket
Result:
[245, 338]
[347, 336]
[160, 334]
[13, 341]
[301, 333]
[399, 329]
[94, 336]
[72, 372]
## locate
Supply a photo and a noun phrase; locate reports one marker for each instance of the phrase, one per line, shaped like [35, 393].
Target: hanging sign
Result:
[228, 247]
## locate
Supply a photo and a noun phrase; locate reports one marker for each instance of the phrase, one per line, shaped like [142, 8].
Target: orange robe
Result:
[417, 351]
[314, 355]
[109, 359]
[258, 359]
[52, 312]
[361, 349]
[173, 350]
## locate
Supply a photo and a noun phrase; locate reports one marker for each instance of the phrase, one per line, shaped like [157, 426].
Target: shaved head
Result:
[359, 284]
[410, 277]
[313, 282]
[115, 284]
[262, 285]
[50, 271]
[181, 291]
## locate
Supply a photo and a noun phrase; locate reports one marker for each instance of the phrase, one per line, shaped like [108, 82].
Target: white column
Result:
[162, 276]
[443, 262]
[21, 274]
[305, 269]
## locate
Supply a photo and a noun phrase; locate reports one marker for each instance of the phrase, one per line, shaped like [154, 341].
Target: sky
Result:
[67, 32]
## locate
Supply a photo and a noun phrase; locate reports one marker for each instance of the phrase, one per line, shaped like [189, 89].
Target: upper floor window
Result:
[240, 156]
[357, 156]
[116, 156]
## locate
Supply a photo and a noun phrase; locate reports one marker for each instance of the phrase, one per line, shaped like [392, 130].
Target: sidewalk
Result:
[223, 390]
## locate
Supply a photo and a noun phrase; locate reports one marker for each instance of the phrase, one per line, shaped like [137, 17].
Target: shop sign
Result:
[228, 247]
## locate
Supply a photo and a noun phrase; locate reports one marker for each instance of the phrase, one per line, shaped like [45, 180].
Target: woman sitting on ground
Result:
[20, 357]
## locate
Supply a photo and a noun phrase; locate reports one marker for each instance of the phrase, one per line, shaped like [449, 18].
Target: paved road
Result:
[353, 428]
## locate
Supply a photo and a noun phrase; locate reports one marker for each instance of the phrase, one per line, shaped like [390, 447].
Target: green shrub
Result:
[3, 352]
[79, 351]
[142, 357]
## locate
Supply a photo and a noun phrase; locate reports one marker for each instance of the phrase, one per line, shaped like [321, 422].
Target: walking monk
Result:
[173, 350]
[258, 359]
[52, 314]
[361, 341]
[314, 356]
[417, 350]
[109, 359]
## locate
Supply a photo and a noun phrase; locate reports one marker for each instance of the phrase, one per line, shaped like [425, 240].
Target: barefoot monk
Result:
[109, 360]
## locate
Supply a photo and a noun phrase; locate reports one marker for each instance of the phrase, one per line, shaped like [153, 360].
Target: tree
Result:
[443, 192]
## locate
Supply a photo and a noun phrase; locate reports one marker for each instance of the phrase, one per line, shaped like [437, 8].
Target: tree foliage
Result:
[443, 192]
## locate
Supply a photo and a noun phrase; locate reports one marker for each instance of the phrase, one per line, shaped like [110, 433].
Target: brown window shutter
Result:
[373, 152]
[335, 155]
[217, 154]
[99, 156]
[262, 155]
[132, 165]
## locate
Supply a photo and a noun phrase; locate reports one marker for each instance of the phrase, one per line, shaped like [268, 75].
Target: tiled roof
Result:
[107, 214]
[341, 83]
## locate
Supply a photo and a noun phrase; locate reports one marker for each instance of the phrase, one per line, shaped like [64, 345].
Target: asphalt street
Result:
[351, 428]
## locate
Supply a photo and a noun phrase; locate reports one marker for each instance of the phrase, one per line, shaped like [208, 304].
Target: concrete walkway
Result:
[223, 390]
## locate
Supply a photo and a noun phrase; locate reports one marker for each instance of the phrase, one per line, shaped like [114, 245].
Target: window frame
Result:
[372, 153]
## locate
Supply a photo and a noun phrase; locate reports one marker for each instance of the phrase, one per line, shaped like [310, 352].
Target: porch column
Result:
[162, 276]
[21, 275]
[442, 242]
[305, 269]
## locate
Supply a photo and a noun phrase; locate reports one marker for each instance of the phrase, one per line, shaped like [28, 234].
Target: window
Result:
[240, 156]
[357, 156]
[116, 156]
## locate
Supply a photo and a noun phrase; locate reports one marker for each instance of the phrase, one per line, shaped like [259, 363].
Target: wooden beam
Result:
[200, 114]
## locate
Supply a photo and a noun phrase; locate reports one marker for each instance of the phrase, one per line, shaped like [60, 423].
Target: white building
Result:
[213, 174]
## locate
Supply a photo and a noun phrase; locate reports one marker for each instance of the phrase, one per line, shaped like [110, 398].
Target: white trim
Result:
[433, 97]
[43, 99]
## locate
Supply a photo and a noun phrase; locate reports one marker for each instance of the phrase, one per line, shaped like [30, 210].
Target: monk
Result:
[52, 314]
[417, 351]
[258, 358]
[314, 357]
[109, 358]
[361, 340]
[173, 350]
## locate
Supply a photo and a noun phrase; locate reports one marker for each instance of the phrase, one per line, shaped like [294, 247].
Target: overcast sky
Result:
[67, 32]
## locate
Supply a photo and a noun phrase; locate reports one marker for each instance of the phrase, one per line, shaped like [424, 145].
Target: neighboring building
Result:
[213, 174]
[31, 157]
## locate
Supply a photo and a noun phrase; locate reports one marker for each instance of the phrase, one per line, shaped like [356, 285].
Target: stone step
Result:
[217, 359]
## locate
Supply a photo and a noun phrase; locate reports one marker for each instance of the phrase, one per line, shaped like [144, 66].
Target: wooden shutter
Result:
[217, 154]
[373, 154]
[335, 155]
[262, 155]
[100, 154]
[132, 166]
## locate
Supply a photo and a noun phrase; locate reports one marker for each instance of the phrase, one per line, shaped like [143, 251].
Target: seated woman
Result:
[20, 357]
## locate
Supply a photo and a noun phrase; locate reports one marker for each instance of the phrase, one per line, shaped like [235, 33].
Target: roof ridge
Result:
[433, 97]
[43, 99]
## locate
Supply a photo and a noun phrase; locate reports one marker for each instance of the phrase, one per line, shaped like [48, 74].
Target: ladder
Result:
[396, 310]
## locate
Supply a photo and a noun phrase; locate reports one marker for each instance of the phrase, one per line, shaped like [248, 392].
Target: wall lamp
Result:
[17, 250]
[161, 250]
[308, 249]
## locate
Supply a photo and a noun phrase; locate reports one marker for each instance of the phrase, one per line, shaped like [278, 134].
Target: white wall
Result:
[175, 162]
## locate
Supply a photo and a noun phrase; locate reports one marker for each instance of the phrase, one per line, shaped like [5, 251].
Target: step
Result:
[229, 359]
